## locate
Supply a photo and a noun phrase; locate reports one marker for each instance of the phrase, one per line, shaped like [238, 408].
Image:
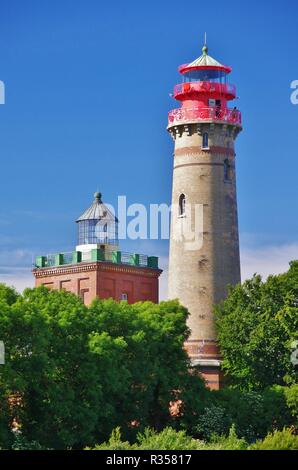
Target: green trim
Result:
[40, 261]
[76, 257]
[116, 257]
[97, 254]
[58, 259]
[135, 259]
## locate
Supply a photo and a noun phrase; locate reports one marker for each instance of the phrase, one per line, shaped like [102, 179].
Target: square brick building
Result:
[97, 268]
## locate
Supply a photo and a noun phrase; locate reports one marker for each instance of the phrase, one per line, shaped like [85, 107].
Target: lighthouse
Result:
[97, 268]
[204, 244]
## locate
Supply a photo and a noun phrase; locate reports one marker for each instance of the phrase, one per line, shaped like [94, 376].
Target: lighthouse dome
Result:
[204, 63]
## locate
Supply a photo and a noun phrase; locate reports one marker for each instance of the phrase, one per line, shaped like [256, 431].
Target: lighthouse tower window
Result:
[205, 143]
[227, 170]
[182, 205]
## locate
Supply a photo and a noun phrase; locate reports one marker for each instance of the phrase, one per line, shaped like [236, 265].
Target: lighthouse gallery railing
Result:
[232, 116]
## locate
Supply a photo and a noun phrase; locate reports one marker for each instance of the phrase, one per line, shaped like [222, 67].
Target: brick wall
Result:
[101, 279]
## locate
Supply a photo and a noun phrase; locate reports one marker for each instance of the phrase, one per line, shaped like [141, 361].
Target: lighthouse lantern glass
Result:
[214, 76]
[97, 231]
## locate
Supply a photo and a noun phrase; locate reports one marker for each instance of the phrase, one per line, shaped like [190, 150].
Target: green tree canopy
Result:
[74, 373]
[257, 325]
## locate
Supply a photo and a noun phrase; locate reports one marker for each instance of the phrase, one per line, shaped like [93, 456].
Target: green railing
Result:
[95, 255]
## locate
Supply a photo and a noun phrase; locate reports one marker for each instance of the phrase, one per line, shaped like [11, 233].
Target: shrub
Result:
[168, 439]
[230, 442]
[114, 443]
[212, 421]
[276, 412]
[21, 443]
[244, 410]
[278, 440]
[254, 414]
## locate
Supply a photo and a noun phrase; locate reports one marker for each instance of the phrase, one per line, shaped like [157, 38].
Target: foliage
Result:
[20, 443]
[48, 370]
[153, 361]
[257, 324]
[194, 400]
[213, 420]
[230, 442]
[253, 414]
[291, 394]
[169, 439]
[278, 440]
[8, 295]
[74, 373]
[114, 443]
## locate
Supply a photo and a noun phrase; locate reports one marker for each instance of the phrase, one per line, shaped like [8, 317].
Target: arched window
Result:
[182, 204]
[227, 170]
[205, 143]
[105, 228]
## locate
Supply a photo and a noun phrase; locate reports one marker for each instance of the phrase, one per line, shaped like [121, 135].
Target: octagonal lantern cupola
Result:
[204, 93]
[97, 227]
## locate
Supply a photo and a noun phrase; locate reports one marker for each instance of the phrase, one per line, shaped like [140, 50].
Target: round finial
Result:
[97, 196]
[205, 50]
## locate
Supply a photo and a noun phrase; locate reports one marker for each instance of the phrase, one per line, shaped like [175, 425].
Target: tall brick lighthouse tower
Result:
[204, 202]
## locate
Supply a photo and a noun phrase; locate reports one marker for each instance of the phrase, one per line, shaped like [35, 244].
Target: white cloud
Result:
[15, 268]
[20, 278]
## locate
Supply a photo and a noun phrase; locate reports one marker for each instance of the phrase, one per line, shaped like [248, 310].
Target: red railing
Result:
[232, 116]
[205, 87]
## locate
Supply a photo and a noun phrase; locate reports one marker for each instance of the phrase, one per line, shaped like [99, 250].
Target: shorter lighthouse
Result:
[97, 267]
[204, 129]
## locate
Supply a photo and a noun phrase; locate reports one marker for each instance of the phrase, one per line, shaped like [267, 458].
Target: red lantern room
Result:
[204, 93]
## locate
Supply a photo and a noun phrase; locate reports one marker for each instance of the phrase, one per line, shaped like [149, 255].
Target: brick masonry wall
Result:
[103, 280]
[199, 277]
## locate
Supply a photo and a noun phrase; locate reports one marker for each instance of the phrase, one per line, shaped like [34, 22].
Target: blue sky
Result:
[87, 96]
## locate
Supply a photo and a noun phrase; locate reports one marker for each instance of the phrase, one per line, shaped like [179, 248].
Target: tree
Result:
[74, 373]
[257, 325]
[155, 363]
[49, 374]
[8, 295]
